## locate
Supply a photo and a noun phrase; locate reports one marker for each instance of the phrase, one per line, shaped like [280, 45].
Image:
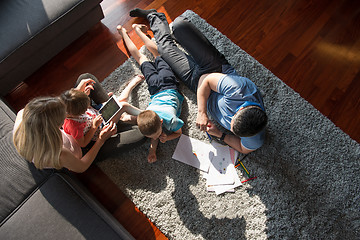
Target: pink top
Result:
[70, 143]
[79, 126]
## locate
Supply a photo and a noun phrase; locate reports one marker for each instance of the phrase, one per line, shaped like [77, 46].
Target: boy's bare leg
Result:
[140, 30]
[140, 58]
[125, 94]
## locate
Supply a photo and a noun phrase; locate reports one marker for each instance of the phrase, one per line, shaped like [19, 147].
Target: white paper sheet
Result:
[216, 162]
[217, 174]
[222, 176]
[194, 152]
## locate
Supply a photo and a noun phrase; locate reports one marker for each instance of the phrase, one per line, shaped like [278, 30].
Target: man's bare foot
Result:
[141, 27]
[121, 30]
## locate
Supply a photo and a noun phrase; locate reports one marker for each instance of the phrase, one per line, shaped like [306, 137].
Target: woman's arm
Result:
[85, 140]
[69, 161]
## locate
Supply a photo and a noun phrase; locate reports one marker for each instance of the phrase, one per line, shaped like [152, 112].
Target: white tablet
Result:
[110, 109]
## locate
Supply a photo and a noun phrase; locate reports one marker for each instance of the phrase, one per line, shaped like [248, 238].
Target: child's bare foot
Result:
[121, 30]
[127, 118]
[141, 27]
[136, 80]
[125, 94]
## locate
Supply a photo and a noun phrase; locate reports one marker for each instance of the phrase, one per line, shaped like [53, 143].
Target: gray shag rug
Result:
[308, 183]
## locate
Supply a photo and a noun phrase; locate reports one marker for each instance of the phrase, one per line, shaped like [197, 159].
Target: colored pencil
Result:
[245, 168]
[242, 165]
[248, 179]
[209, 136]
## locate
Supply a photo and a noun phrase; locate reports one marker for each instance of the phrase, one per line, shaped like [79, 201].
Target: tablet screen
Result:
[109, 109]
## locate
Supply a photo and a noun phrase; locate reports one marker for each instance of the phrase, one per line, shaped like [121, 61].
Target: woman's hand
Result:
[86, 85]
[107, 131]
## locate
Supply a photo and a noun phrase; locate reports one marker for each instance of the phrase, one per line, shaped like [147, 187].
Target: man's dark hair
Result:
[249, 121]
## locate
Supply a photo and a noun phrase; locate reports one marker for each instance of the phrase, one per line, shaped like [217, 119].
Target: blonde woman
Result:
[39, 139]
[38, 136]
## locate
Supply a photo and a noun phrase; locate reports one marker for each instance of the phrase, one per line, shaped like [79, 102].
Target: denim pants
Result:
[202, 56]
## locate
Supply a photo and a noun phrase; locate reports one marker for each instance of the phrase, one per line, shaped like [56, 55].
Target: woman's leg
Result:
[127, 138]
[198, 46]
[98, 95]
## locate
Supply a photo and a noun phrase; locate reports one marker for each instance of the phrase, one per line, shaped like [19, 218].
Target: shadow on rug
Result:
[308, 181]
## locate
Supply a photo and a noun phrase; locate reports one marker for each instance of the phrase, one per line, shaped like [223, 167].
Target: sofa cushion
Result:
[23, 20]
[18, 177]
[33, 29]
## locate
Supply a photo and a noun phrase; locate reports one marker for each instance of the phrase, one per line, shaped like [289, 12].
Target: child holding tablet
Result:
[83, 122]
[161, 119]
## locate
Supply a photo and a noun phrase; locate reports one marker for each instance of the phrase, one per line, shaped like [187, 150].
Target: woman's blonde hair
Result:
[38, 138]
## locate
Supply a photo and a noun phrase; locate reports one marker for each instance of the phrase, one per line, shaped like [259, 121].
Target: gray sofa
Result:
[34, 31]
[46, 204]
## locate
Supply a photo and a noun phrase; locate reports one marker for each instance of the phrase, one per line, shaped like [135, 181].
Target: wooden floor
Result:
[313, 46]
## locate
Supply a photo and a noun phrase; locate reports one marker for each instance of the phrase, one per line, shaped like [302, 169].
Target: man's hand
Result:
[202, 121]
[213, 130]
[107, 131]
[86, 85]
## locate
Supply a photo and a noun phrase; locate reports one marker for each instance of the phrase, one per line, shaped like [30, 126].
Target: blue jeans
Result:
[202, 56]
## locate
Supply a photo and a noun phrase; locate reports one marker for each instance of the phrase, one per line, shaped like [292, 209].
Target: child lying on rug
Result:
[160, 121]
[232, 101]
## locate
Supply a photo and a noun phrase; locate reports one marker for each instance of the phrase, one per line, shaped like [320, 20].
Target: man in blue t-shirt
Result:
[232, 101]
